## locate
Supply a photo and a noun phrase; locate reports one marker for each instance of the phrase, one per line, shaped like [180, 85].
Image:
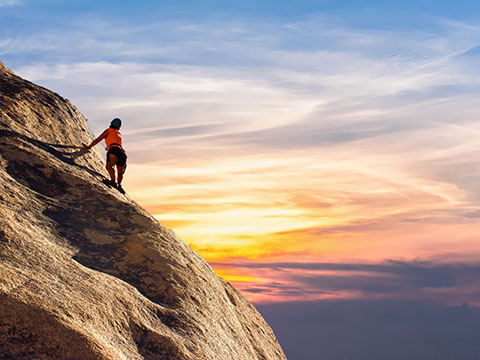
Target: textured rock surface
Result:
[85, 273]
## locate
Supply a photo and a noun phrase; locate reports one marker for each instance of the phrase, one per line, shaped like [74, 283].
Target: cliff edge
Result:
[86, 273]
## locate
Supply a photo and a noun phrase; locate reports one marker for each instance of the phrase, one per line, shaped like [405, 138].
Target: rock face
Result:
[85, 273]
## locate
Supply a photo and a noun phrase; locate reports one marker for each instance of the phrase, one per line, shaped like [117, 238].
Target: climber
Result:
[116, 156]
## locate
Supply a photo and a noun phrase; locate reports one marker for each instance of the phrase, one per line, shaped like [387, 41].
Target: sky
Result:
[320, 155]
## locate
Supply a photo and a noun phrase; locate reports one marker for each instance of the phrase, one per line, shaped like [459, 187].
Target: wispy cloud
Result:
[275, 138]
[446, 283]
[4, 3]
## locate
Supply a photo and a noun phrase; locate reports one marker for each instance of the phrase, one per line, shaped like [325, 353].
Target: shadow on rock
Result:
[65, 156]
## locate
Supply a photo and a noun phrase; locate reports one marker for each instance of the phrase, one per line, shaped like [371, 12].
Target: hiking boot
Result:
[110, 183]
[120, 188]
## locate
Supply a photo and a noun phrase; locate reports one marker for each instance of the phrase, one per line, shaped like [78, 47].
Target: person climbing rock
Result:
[116, 155]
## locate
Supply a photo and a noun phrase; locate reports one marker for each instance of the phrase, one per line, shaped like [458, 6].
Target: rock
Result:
[85, 272]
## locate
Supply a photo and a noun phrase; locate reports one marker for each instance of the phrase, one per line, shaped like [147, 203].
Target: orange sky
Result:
[340, 155]
[369, 201]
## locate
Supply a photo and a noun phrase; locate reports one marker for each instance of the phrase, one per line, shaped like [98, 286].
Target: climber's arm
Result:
[96, 141]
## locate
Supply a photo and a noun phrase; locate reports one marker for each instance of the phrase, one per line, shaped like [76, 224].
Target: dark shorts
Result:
[120, 154]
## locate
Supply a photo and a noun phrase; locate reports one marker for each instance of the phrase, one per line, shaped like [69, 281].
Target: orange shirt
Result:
[113, 137]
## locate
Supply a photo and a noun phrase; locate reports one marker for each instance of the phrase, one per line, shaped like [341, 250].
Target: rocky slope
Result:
[85, 273]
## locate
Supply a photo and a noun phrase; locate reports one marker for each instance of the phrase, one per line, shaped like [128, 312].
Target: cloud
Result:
[337, 82]
[4, 3]
[337, 102]
[281, 172]
[401, 280]
[184, 131]
[309, 137]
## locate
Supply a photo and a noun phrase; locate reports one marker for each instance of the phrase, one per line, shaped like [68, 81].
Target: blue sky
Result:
[347, 133]
[61, 18]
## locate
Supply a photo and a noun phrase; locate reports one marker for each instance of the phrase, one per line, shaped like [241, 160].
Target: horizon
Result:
[316, 152]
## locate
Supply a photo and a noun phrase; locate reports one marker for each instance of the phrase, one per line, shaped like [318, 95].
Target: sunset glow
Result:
[334, 204]
[295, 139]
